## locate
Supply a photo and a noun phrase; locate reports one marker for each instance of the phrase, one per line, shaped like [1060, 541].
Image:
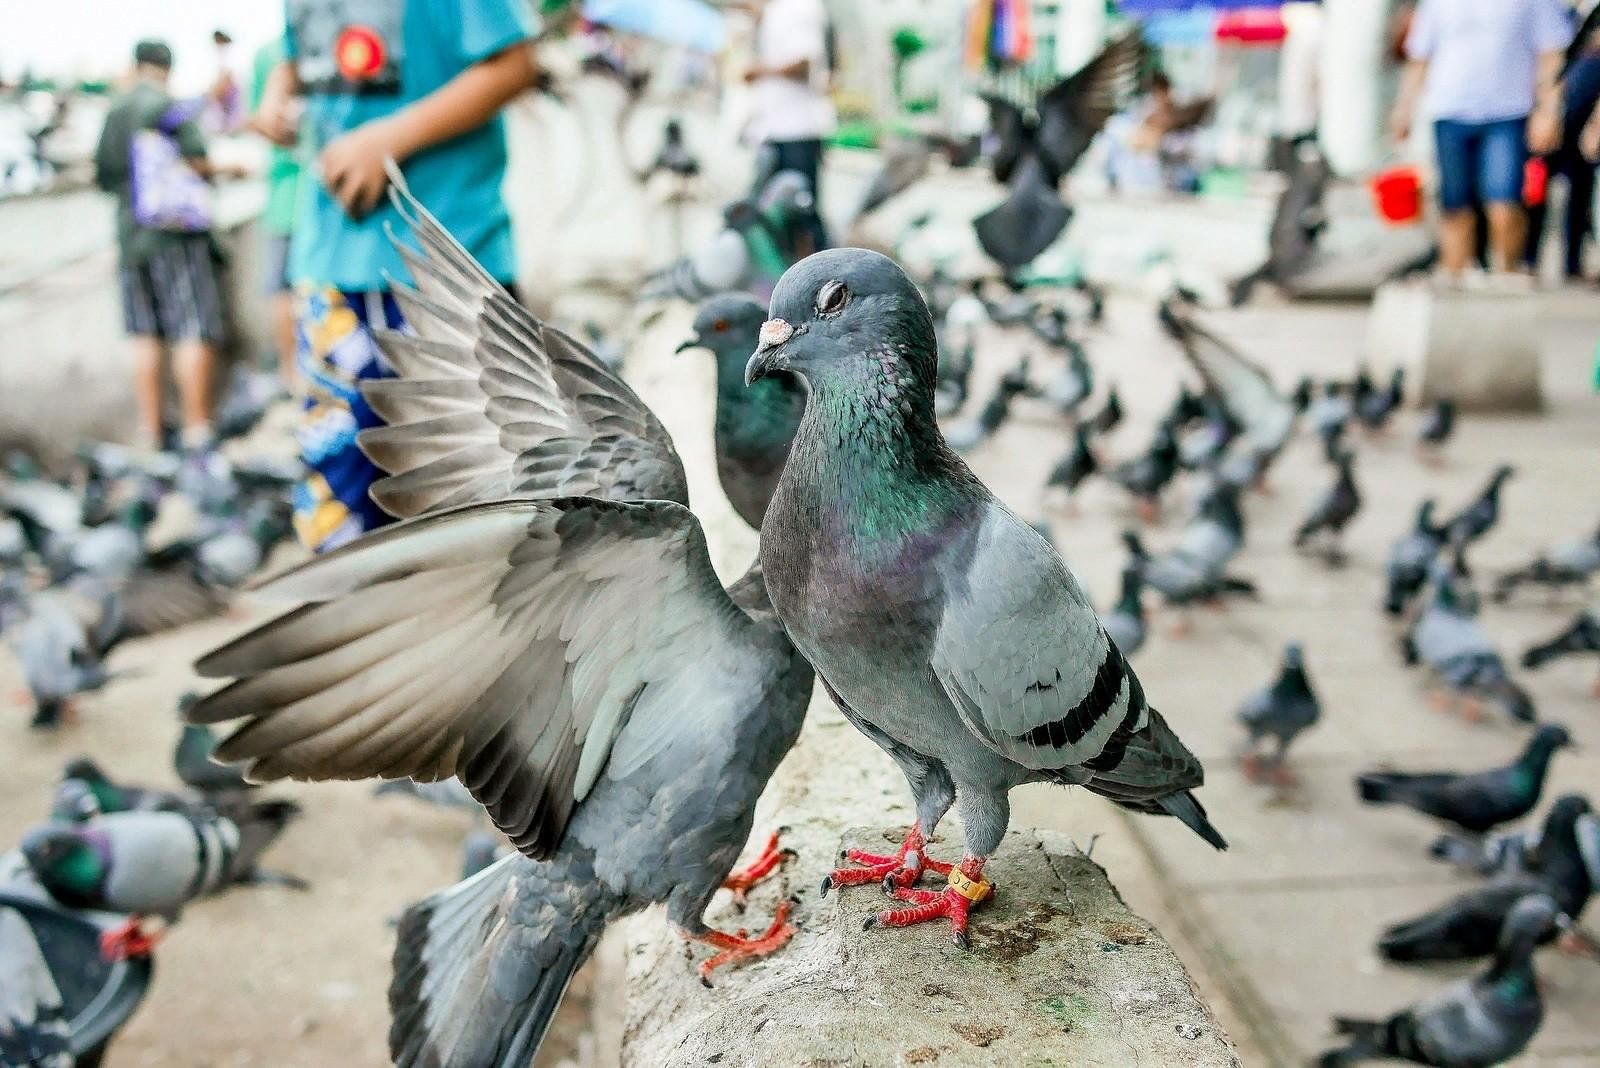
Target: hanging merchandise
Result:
[999, 33]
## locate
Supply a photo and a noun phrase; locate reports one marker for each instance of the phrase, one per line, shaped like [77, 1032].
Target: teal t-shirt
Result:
[403, 51]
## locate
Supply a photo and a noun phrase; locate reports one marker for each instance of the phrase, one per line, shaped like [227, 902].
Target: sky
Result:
[76, 38]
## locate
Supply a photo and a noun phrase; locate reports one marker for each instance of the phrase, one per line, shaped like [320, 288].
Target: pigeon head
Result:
[728, 325]
[84, 769]
[1550, 737]
[1526, 925]
[850, 320]
[71, 862]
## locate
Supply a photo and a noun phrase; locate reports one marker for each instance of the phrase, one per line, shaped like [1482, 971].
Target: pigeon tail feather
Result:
[1187, 808]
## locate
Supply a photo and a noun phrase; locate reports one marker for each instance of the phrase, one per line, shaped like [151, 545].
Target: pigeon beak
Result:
[767, 359]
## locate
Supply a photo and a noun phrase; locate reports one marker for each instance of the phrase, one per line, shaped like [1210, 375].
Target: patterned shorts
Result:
[335, 351]
[173, 295]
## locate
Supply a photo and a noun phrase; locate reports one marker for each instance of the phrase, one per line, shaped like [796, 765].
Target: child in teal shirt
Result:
[423, 82]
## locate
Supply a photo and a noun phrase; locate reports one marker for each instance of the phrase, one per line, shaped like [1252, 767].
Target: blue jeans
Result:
[1481, 162]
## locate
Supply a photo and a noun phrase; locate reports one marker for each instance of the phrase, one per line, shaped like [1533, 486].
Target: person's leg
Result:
[280, 296]
[143, 328]
[1537, 216]
[194, 310]
[1502, 164]
[1454, 145]
[1580, 210]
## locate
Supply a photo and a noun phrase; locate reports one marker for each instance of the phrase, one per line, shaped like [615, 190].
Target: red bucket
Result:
[1397, 193]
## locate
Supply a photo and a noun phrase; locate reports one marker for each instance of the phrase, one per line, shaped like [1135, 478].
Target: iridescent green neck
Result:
[759, 418]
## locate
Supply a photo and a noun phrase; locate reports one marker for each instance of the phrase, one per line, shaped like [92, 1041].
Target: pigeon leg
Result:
[1149, 510]
[737, 947]
[1279, 773]
[967, 888]
[130, 939]
[902, 869]
[1250, 764]
[1470, 709]
[1440, 700]
[741, 880]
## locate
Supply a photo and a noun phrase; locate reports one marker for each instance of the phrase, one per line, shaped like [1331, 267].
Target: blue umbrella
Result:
[692, 23]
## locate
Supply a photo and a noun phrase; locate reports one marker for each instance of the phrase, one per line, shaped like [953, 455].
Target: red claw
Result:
[902, 869]
[741, 880]
[968, 888]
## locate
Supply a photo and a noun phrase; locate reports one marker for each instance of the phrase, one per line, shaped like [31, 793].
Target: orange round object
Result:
[359, 52]
[1398, 195]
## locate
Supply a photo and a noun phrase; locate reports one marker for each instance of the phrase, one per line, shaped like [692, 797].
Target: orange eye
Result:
[720, 326]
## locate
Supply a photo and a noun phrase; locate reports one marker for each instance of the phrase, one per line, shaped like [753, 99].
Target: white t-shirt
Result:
[786, 109]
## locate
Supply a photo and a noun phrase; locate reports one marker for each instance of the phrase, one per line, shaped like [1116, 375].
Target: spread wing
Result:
[1011, 133]
[1241, 386]
[1077, 108]
[516, 645]
[1023, 657]
[492, 403]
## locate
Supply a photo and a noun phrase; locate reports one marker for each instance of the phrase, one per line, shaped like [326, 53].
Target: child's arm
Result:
[352, 165]
[276, 118]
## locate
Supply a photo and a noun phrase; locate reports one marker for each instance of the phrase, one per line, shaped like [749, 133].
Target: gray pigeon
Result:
[1195, 569]
[570, 656]
[1473, 1023]
[1479, 517]
[34, 1029]
[1125, 623]
[1072, 386]
[1448, 638]
[1570, 564]
[153, 863]
[1280, 712]
[945, 628]
[754, 427]
[1410, 560]
[60, 653]
[1580, 637]
[748, 253]
[1333, 511]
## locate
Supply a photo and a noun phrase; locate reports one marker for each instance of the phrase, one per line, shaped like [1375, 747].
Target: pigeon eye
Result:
[720, 326]
[832, 298]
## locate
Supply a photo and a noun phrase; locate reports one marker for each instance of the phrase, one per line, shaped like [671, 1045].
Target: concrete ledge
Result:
[1477, 347]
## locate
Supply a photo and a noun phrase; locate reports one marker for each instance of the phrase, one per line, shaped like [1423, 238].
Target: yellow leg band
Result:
[974, 890]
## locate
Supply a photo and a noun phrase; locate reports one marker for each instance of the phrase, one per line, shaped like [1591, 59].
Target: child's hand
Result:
[352, 166]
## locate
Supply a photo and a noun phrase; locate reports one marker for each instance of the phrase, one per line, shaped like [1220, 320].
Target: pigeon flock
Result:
[541, 639]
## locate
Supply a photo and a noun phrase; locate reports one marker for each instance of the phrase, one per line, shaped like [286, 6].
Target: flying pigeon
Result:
[1333, 510]
[1410, 559]
[548, 628]
[1565, 565]
[1125, 623]
[1583, 636]
[1298, 220]
[1280, 712]
[1475, 1022]
[943, 626]
[1468, 925]
[754, 427]
[1479, 517]
[1474, 802]
[1037, 147]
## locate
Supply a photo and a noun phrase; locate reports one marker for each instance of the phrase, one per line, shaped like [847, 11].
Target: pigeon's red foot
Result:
[737, 947]
[1282, 777]
[1148, 510]
[967, 888]
[741, 880]
[1250, 764]
[129, 939]
[902, 869]
[1470, 709]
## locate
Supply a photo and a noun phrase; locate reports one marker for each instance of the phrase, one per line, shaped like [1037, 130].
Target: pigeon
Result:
[1051, 327]
[1265, 417]
[545, 625]
[1280, 712]
[1038, 146]
[1078, 464]
[970, 433]
[1147, 474]
[942, 625]
[1186, 408]
[1377, 406]
[1195, 569]
[1479, 517]
[1474, 802]
[249, 394]
[1329, 414]
[1447, 638]
[1583, 636]
[1072, 386]
[747, 253]
[192, 758]
[35, 1030]
[754, 427]
[1298, 220]
[1109, 415]
[151, 862]
[1565, 565]
[13, 542]
[906, 160]
[1125, 623]
[1203, 446]
[1475, 1022]
[1468, 925]
[61, 652]
[1438, 423]
[1333, 511]
[1410, 558]
[955, 378]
